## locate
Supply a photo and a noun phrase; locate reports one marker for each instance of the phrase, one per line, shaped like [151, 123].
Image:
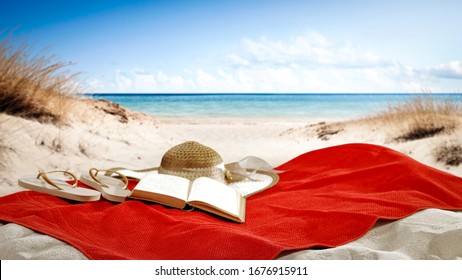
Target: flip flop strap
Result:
[110, 171]
[44, 176]
[94, 173]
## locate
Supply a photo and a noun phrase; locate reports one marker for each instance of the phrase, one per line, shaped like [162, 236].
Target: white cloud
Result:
[93, 85]
[143, 81]
[122, 81]
[139, 80]
[413, 87]
[308, 63]
[135, 80]
[452, 70]
[313, 49]
[175, 83]
[377, 76]
[234, 59]
[205, 80]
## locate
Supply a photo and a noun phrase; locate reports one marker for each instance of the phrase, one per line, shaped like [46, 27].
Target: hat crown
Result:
[190, 155]
[192, 160]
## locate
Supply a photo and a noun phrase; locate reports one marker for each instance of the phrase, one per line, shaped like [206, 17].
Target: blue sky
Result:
[273, 46]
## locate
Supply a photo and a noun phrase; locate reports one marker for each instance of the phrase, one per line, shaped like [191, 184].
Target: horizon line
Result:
[269, 93]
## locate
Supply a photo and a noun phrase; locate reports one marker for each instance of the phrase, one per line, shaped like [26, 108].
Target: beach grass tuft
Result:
[324, 132]
[420, 131]
[449, 154]
[36, 86]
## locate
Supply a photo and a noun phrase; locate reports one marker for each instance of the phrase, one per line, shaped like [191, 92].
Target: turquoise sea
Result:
[319, 106]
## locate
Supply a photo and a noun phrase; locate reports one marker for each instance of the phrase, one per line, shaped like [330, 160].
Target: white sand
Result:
[94, 138]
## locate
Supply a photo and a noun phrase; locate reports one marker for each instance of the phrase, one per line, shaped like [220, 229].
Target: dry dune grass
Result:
[421, 117]
[33, 86]
[426, 127]
[426, 117]
[449, 153]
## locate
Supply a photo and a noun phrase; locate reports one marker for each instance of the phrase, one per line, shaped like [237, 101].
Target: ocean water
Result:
[249, 106]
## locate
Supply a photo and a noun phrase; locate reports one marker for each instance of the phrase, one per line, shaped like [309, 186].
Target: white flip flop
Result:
[58, 187]
[111, 188]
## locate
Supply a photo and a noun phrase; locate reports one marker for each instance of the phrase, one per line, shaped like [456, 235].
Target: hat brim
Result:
[262, 180]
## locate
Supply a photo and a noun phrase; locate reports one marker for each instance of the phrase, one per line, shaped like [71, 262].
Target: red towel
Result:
[324, 198]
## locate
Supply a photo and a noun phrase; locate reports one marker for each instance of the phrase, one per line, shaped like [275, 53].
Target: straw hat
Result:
[192, 160]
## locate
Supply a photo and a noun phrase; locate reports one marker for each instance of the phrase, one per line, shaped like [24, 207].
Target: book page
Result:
[217, 194]
[165, 185]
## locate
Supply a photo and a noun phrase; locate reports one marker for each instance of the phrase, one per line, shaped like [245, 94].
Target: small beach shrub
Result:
[449, 154]
[420, 131]
[325, 131]
[33, 86]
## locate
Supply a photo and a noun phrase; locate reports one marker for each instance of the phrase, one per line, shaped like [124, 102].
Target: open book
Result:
[203, 193]
[260, 181]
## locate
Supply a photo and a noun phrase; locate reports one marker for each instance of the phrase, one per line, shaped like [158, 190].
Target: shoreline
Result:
[279, 107]
[241, 120]
[269, 94]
